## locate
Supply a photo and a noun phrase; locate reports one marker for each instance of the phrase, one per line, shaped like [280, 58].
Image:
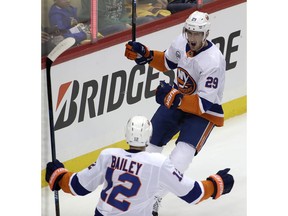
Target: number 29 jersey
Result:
[131, 180]
[201, 74]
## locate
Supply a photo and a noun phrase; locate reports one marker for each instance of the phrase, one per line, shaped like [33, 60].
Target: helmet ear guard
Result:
[138, 131]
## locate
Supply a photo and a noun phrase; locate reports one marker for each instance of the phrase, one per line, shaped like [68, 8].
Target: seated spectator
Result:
[150, 10]
[175, 6]
[115, 15]
[110, 14]
[63, 18]
[156, 3]
[84, 15]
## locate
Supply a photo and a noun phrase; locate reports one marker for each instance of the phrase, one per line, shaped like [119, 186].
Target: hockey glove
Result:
[168, 96]
[54, 172]
[138, 52]
[222, 181]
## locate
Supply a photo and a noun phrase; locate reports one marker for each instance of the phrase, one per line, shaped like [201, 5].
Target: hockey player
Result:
[132, 177]
[192, 106]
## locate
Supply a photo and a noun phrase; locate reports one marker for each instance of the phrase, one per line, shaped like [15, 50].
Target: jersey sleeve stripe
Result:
[171, 64]
[194, 195]
[77, 187]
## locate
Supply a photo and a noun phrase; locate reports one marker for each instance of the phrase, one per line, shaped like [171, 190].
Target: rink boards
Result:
[94, 95]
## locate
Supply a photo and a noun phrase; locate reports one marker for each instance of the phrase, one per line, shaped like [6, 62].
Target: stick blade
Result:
[61, 47]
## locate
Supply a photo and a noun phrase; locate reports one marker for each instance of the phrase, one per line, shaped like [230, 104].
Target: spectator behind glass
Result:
[155, 3]
[110, 14]
[150, 10]
[63, 18]
[113, 15]
[180, 5]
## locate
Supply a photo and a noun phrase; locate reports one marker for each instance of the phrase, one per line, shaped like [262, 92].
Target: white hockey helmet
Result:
[198, 21]
[138, 131]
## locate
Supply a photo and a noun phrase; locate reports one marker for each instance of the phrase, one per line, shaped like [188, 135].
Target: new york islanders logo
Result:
[186, 84]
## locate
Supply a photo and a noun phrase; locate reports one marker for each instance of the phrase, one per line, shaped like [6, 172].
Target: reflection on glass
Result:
[68, 18]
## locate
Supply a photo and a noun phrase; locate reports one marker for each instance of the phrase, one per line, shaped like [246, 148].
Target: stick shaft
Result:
[51, 126]
[50, 108]
[133, 20]
[55, 53]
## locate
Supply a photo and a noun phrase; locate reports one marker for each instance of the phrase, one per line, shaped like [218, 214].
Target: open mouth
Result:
[193, 44]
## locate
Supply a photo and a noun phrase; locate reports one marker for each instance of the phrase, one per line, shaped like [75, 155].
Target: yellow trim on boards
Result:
[235, 107]
[231, 109]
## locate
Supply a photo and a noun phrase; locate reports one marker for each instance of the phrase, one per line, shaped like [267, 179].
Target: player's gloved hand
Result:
[54, 172]
[168, 96]
[223, 182]
[138, 52]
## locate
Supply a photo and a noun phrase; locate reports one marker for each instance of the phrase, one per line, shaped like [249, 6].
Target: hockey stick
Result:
[133, 20]
[57, 51]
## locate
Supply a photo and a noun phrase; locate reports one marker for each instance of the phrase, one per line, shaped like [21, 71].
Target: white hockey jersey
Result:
[200, 77]
[131, 180]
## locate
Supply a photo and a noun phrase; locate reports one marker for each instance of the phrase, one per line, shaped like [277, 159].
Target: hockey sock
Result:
[182, 155]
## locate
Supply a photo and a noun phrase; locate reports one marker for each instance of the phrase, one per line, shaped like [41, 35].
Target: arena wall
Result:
[95, 94]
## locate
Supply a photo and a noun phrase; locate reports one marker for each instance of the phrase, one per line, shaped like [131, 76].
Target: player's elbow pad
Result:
[158, 61]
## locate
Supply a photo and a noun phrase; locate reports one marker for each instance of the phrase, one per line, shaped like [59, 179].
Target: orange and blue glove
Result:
[138, 52]
[168, 96]
[223, 182]
[54, 173]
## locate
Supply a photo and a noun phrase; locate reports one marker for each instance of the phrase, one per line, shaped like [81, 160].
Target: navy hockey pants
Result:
[192, 129]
